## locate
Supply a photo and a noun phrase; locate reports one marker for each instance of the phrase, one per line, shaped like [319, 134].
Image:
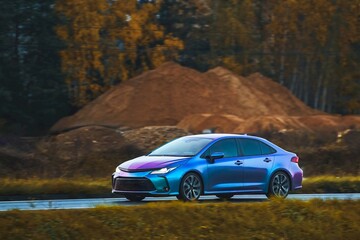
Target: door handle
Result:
[238, 162]
[267, 160]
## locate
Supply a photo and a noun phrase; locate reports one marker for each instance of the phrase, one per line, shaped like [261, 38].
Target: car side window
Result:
[250, 147]
[266, 149]
[226, 146]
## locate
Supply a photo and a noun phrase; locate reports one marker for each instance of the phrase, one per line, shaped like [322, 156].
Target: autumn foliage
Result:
[109, 42]
[58, 55]
[311, 47]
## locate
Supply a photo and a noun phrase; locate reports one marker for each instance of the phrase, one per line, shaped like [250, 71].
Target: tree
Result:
[232, 35]
[311, 47]
[214, 32]
[109, 42]
[315, 40]
[31, 90]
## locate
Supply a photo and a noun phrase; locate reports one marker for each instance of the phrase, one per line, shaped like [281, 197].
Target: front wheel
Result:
[134, 197]
[279, 186]
[190, 187]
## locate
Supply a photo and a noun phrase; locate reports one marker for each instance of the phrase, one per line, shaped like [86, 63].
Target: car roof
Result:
[215, 136]
[221, 135]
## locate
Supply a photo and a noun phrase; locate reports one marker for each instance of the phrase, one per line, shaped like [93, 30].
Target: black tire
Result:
[179, 197]
[279, 186]
[134, 197]
[225, 196]
[191, 187]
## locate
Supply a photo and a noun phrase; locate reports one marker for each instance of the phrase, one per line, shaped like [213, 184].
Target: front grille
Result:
[133, 184]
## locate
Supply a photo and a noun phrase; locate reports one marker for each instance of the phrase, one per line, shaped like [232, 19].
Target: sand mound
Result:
[279, 97]
[228, 123]
[89, 140]
[196, 123]
[148, 138]
[166, 95]
[270, 124]
[83, 141]
[83, 150]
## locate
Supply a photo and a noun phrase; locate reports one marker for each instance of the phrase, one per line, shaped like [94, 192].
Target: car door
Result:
[224, 174]
[258, 159]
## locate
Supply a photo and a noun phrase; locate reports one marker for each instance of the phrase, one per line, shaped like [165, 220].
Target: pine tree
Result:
[31, 90]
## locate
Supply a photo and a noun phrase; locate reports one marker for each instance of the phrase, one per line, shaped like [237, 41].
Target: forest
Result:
[58, 55]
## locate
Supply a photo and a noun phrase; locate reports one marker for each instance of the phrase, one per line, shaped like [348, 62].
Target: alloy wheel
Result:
[279, 186]
[191, 187]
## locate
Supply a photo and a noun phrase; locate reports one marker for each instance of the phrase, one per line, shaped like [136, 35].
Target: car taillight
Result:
[295, 159]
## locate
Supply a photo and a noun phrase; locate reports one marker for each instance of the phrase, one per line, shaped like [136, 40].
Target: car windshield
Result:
[182, 147]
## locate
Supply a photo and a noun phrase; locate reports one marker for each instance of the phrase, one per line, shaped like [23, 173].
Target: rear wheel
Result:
[190, 187]
[279, 186]
[134, 197]
[225, 196]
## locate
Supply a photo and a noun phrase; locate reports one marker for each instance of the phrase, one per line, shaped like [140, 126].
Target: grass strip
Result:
[73, 187]
[54, 186]
[315, 219]
[331, 184]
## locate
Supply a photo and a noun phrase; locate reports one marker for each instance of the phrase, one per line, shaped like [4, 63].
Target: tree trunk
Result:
[317, 91]
[306, 80]
[282, 65]
[323, 98]
[294, 84]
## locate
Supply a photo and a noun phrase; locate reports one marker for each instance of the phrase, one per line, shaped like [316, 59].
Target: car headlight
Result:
[117, 169]
[163, 170]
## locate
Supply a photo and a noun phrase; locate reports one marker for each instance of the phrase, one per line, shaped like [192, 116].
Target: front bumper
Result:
[141, 183]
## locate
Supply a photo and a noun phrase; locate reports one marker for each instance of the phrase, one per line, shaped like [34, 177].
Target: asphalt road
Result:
[93, 202]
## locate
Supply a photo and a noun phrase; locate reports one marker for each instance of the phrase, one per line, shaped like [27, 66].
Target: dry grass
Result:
[54, 186]
[331, 184]
[315, 219]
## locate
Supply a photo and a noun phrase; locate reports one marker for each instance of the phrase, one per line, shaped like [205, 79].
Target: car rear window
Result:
[250, 147]
[266, 149]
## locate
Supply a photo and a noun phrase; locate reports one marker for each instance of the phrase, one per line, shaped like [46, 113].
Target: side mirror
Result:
[215, 155]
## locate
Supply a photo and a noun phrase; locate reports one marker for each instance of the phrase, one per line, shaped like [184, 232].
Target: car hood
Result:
[151, 162]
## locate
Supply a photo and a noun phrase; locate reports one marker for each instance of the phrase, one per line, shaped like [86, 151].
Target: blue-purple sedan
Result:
[210, 164]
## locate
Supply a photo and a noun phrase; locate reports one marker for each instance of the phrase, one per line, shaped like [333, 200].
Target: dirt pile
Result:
[196, 123]
[168, 94]
[92, 151]
[215, 123]
[81, 142]
[96, 151]
[148, 138]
